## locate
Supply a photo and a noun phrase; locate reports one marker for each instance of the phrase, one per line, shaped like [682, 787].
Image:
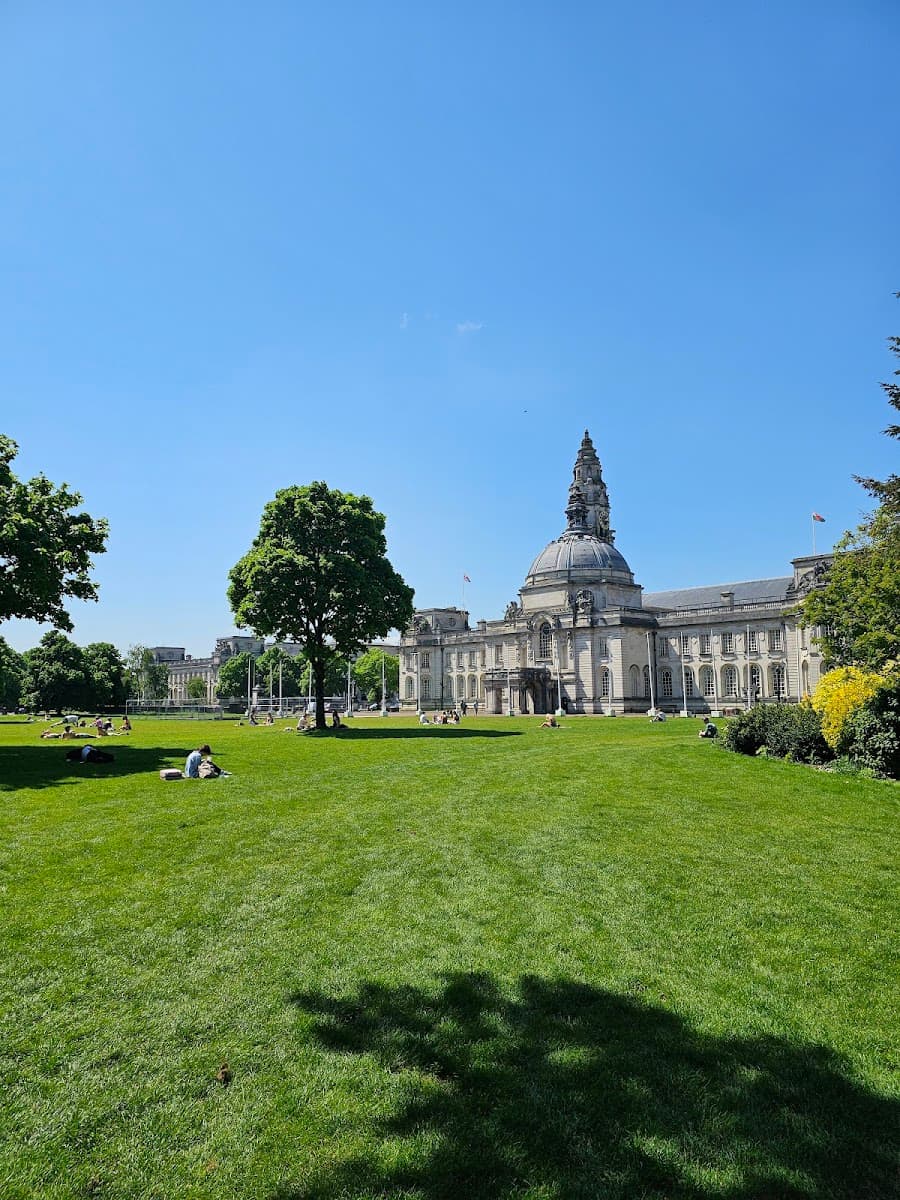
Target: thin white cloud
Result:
[469, 326]
[404, 321]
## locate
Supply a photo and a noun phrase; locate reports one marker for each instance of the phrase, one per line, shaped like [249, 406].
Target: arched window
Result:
[605, 685]
[460, 687]
[646, 683]
[730, 681]
[426, 687]
[448, 687]
[755, 684]
[473, 687]
[634, 680]
[779, 681]
[707, 682]
[665, 682]
[688, 681]
[410, 688]
[545, 641]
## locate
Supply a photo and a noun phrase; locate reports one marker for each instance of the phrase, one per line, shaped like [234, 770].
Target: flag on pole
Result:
[466, 579]
[817, 517]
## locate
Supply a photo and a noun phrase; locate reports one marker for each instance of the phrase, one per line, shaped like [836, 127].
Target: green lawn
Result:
[495, 961]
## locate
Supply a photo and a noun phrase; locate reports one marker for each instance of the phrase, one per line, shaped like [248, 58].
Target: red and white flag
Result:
[466, 579]
[818, 517]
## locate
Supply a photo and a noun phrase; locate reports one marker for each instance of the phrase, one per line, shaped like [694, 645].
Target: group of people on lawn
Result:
[101, 727]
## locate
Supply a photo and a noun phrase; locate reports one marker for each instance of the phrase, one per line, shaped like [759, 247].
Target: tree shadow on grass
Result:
[45, 765]
[567, 1091]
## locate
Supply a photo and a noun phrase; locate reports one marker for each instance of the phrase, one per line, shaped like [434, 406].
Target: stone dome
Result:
[581, 555]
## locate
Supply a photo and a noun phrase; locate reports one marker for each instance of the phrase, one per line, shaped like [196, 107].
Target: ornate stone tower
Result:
[588, 493]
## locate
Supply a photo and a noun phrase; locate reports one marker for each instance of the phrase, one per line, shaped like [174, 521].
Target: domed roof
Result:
[581, 552]
[585, 550]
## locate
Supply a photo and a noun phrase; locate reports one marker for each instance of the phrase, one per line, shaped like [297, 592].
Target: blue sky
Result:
[414, 250]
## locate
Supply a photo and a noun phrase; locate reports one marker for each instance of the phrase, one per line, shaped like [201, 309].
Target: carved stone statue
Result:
[585, 601]
[512, 611]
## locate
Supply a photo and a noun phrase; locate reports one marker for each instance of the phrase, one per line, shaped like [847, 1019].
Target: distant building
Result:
[582, 634]
[183, 668]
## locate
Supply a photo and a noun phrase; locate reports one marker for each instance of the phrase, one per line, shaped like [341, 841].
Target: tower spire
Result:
[588, 507]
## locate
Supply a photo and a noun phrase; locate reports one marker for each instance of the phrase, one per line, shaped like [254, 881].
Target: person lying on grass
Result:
[549, 722]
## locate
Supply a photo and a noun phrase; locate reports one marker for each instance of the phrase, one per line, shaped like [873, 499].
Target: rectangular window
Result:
[774, 639]
[498, 656]
[425, 660]
[705, 643]
[663, 647]
[459, 658]
[752, 641]
[426, 688]
[473, 658]
[685, 643]
[602, 648]
[728, 643]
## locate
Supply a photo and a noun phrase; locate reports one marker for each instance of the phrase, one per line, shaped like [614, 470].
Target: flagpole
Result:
[812, 522]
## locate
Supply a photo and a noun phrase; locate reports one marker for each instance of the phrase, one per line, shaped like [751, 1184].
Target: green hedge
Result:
[784, 730]
[870, 736]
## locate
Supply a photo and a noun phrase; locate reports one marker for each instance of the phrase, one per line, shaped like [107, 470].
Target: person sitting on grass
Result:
[199, 764]
[423, 719]
[335, 719]
[549, 722]
[126, 725]
[270, 720]
[709, 730]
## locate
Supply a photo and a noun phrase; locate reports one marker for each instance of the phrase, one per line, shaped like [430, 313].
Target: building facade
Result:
[583, 636]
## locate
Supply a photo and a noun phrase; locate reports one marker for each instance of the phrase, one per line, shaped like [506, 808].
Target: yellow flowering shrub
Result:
[840, 693]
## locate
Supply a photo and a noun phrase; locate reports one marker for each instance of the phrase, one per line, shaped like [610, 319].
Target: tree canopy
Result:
[145, 679]
[367, 673]
[858, 608]
[106, 675]
[293, 671]
[56, 674]
[46, 547]
[12, 670]
[232, 682]
[317, 573]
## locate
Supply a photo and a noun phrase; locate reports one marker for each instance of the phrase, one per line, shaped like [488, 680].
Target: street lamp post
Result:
[560, 711]
[383, 696]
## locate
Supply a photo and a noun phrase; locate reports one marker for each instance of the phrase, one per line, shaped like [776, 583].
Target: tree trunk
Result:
[318, 665]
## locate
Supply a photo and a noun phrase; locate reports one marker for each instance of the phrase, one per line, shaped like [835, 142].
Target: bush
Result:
[791, 731]
[870, 736]
[839, 694]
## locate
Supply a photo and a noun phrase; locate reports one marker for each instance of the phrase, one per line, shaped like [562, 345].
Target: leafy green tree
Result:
[232, 681]
[145, 679]
[106, 672]
[12, 670]
[858, 607]
[318, 574]
[56, 674]
[293, 671]
[46, 548]
[196, 688]
[367, 673]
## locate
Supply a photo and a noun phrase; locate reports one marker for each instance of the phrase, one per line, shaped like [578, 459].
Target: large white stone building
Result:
[584, 636]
